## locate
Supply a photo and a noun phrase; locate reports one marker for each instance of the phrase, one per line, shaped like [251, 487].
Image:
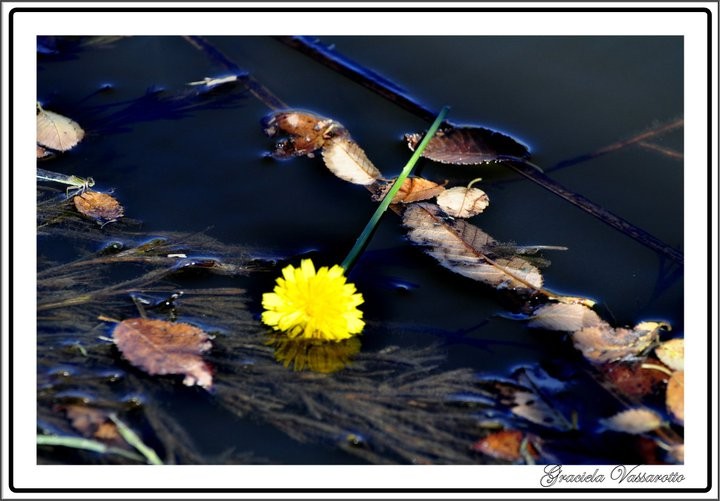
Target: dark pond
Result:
[207, 171]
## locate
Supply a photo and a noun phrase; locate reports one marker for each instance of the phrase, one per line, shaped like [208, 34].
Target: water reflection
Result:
[312, 354]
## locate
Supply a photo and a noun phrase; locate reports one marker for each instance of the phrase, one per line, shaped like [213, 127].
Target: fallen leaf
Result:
[568, 317]
[160, 347]
[413, 189]
[602, 343]
[468, 145]
[56, 131]
[42, 152]
[530, 406]
[463, 202]
[93, 422]
[632, 379]
[305, 131]
[675, 396]
[101, 207]
[633, 421]
[672, 353]
[506, 445]
[348, 161]
[465, 249]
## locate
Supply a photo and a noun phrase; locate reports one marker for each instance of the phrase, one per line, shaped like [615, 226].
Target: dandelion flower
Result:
[309, 304]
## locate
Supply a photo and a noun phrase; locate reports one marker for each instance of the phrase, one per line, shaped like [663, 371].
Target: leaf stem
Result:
[370, 227]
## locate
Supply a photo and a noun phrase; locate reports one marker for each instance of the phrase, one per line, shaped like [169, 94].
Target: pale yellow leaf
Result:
[633, 421]
[565, 317]
[531, 407]
[675, 396]
[463, 202]
[602, 343]
[672, 353]
[348, 161]
[56, 131]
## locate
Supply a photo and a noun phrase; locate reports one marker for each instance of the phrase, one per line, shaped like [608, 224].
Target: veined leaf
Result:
[160, 347]
[101, 207]
[569, 317]
[463, 202]
[468, 145]
[348, 161]
[413, 189]
[56, 131]
[602, 343]
[467, 250]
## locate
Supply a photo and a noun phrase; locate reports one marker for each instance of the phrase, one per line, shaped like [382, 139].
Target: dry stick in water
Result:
[338, 63]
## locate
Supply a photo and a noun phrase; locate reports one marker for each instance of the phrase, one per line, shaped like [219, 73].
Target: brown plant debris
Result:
[101, 207]
[467, 145]
[160, 347]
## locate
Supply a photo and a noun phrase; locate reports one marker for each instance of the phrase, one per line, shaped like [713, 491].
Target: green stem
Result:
[365, 235]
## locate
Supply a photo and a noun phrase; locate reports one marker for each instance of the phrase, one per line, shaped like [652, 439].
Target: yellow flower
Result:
[318, 305]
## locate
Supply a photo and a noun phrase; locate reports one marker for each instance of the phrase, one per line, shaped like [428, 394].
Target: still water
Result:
[208, 171]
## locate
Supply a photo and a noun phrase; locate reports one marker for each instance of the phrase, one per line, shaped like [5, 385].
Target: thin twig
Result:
[668, 152]
[661, 129]
[337, 62]
[258, 90]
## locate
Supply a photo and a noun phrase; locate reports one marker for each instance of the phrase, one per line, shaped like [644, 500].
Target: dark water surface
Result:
[564, 97]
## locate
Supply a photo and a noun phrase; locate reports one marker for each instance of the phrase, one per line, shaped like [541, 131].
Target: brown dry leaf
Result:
[467, 145]
[413, 189]
[506, 445]
[633, 421]
[463, 202]
[92, 422]
[305, 132]
[675, 396]
[160, 347]
[602, 343]
[101, 207]
[672, 353]
[56, 131]
[467, 250]
[348, 161]
[568, 317]
[634, 380]
[42, 152]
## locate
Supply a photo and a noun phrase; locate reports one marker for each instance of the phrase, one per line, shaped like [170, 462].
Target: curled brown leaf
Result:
[413, 189]
[101, 207]
[468, 145]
